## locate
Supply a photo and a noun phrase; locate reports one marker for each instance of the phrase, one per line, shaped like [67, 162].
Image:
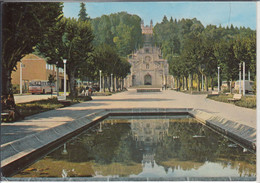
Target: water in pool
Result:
[146, 146]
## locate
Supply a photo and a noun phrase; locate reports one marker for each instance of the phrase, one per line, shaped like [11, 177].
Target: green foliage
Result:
[107, 59]
[83, 16]
[192, 49]
[51, 79]
[248, 101]
[24, 25]
[70, 39]
[35, 107]
[119, 30]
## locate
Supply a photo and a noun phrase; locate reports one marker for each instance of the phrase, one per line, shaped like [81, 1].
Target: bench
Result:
[236, 97]
[213, 93]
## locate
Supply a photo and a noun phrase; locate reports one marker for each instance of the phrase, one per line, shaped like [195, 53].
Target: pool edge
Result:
[16, 152]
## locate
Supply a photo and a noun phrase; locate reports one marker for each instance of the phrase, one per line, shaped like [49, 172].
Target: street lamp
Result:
[57, 78]
[100, 80]
[218, 78]
[64, 61]
[21, 78]
[244, 75]
[239, 78]
[64, 152]
[111, 82]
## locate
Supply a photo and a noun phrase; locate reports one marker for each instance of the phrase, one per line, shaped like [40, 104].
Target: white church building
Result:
[148, 66]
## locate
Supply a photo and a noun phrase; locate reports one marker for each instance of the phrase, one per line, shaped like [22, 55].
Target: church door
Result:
[148, 79]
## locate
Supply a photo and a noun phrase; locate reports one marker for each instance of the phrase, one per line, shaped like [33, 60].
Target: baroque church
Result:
[147, 65]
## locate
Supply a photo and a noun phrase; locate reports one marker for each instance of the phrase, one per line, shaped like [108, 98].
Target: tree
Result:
[83, 16]
[51, 81]
[73, 41]
[120, 30]
[24, 25]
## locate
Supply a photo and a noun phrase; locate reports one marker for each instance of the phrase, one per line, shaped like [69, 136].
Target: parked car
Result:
[248, 86]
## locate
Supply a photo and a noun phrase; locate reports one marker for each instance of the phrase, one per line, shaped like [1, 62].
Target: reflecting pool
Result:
[146, 146]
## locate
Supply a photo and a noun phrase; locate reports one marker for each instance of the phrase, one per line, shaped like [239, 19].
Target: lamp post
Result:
[244, 76]
[239, 78]
[21, 78]
[64, 152]
[64, 61]
[111, 82]
[57, 78]
[218, 78]
[100, 80]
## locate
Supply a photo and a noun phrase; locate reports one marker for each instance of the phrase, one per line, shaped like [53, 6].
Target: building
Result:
[148, 66]
[34, 68]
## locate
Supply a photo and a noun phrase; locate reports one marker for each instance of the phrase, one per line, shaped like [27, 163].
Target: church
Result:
[147, 65]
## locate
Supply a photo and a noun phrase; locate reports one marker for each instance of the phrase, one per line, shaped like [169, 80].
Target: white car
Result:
[248, 86]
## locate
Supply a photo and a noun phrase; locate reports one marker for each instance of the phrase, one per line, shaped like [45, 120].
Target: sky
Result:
[215, 13]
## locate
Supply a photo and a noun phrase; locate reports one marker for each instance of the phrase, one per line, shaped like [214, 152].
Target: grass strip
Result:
[35, 107]
[246, 101]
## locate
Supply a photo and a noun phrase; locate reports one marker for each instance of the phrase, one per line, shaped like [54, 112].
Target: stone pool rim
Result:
[17, 153]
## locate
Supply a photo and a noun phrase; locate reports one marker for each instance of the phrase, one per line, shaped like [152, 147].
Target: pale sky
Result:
[216, 13]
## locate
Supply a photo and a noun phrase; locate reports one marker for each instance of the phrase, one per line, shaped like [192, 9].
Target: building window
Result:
[147, 58]
[147, 66]
[146, 50]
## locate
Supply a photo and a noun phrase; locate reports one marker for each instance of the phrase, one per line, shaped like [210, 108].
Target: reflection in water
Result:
[143, 146]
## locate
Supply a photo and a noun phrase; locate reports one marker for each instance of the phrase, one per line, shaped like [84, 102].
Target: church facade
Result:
[147, 65]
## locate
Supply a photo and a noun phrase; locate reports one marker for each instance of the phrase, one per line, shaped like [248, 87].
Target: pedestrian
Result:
[11, 106]
[6, 110]
[89, 92]
[86, 91]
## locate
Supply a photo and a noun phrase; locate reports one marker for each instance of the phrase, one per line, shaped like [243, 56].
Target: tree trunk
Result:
[71, 76]
[212, 87]
[103, 78]
[106, 83]
[186, 81]
[178, 84]
[198, 83]
[109, 79]
[123, 84]
[206, 83]
[6, 82]
[230, 86]
[113, 84]
[191, 85]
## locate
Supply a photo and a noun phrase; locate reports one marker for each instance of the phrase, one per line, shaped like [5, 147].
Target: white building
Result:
[148, 66]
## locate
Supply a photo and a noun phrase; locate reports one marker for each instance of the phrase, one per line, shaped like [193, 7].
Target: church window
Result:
[146, 50]
[147, 58]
